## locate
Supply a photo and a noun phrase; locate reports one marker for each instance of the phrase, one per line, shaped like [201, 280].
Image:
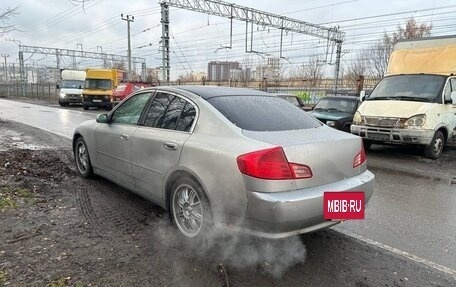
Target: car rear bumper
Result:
[283, 214]
[391, 135]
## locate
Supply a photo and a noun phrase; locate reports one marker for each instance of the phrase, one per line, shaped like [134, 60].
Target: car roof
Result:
[342, 97]
[207, 92]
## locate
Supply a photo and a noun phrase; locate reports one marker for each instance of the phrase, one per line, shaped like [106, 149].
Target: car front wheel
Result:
[190, 211]
[81, 156]
[434, 150]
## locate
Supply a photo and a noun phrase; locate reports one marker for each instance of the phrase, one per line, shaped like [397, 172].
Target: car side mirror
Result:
[57, 87]
[453, 97]
[102, 118]
[362, 96]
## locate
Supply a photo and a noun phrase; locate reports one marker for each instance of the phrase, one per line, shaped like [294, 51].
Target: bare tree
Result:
[378, 54]
[119, 65]
[312, 70]
[356, 68]
[412, 30]
[152, 75]
[6, 16]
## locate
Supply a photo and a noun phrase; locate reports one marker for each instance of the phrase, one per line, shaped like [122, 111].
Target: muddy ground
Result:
[57, 229]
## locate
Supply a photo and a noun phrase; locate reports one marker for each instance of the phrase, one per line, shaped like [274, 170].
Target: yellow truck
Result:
[415, 103]
[99, 86]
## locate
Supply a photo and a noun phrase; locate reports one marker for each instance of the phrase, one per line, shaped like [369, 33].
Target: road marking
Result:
[407, 255]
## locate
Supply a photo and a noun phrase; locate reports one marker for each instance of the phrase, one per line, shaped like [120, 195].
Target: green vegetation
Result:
[9, 195]
[304, 96]
[3, 278]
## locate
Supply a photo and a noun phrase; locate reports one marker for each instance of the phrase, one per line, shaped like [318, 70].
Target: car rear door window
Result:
[169, 112]
[130, 111]
[187, 118]
[263, 113]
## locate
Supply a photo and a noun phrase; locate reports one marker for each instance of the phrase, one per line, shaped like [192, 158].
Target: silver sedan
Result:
[223, 157]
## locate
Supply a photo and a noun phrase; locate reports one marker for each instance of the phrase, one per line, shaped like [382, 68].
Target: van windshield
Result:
[71, 84]
[424, 88]
[98, 84]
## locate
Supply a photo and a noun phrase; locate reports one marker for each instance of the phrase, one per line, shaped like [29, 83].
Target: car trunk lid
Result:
[329, 153]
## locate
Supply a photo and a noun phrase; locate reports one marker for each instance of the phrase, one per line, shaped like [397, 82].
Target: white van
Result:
[416, 102]
[71, 86]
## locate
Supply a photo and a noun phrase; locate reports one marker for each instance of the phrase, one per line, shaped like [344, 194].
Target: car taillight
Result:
[360, 158]
[271, 164]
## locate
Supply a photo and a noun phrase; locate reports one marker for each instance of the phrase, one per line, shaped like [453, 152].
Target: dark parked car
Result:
[336, 111]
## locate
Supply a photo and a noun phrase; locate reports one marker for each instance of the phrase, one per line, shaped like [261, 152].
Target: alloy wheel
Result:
[82, 157]
[187, 210]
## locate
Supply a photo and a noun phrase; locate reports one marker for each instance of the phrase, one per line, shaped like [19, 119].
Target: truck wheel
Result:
[434, 150]
[85, 107]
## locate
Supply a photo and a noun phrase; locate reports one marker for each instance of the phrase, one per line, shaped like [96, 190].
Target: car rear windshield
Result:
[263, 113]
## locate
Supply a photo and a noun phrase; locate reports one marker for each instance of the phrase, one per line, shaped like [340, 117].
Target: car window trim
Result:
[149, 103]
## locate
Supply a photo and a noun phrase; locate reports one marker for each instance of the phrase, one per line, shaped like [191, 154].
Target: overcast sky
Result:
[196, 38]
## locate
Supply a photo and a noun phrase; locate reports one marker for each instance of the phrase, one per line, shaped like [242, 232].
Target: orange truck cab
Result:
[99, 87]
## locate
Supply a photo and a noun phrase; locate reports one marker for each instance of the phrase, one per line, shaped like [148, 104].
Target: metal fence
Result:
[29, 90]
[310, 94]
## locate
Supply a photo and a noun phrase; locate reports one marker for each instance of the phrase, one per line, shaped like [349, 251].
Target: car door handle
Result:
[170, 146]
[124, 137]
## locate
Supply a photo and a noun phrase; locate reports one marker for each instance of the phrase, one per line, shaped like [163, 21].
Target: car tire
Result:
[435, 149]
[85, 107]
[367, 144]
[189, 209]
[82, 158]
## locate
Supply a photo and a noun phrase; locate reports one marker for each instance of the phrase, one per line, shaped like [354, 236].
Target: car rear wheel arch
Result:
[75, 138]
[176, 175]
[444, 131]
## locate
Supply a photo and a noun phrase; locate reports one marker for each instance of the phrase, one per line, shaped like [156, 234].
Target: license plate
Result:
[343, 205]
[97, 101]
[378, 136]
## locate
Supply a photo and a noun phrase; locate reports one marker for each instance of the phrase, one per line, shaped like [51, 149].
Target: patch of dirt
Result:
[72, 229]
[45, 165]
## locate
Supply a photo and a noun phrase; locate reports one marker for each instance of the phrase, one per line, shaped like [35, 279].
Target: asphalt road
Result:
[411, 214]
